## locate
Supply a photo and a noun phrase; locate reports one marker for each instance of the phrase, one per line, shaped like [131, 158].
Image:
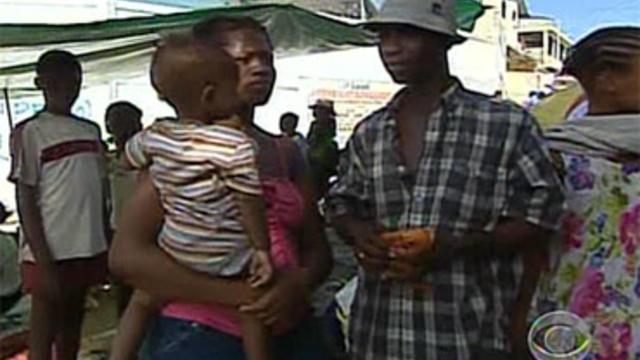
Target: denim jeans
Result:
[171, 339]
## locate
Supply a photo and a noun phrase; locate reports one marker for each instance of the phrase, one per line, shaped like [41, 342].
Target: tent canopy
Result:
[120, 48]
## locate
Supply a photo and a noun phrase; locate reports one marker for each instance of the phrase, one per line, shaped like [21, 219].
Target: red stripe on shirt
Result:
[62, 150]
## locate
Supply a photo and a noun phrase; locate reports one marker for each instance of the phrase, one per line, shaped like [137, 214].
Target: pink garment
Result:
[285, 209]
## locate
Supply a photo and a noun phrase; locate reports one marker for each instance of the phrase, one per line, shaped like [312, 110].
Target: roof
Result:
[121, 48]
[523, 8]
[189, 4]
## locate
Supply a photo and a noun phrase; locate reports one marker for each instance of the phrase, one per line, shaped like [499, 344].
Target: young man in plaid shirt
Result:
[473, 170]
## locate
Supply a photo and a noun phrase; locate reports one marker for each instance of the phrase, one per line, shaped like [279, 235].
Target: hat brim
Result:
[375, 24]
[330, 108]
[7, 213]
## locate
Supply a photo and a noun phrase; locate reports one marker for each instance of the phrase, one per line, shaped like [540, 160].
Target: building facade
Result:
[542, 39]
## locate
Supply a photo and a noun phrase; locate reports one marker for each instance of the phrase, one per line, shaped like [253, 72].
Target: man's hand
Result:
[409, 263]
[371, 252]
[284, 303]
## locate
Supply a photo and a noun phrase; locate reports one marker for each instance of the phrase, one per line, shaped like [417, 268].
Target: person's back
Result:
[196, 169]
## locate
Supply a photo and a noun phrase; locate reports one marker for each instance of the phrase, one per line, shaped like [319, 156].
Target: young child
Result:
[122, 121]
[58, 169]
[205, 170]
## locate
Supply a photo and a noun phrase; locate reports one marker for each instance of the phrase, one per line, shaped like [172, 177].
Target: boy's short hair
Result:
[614, 46]
[213, 29]
[56, 61]
[292, 115]
[124, 108]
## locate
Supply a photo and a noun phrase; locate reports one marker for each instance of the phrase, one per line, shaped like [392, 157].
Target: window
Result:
[530, 39]
[552, 49]
[504, 9]
[514, 16]
[563, 51]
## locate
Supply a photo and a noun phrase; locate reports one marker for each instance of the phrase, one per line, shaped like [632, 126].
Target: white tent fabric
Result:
[133, 62]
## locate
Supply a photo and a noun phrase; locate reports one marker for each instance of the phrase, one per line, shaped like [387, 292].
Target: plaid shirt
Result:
[482, 160]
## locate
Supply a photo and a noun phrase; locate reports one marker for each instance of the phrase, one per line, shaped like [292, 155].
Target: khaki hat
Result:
[432, 15]
[325, 103]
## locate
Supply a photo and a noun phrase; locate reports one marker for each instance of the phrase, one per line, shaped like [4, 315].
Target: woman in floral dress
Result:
[596, 272]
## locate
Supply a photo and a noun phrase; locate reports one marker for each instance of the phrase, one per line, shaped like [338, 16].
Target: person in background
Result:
[323, 151]
[10, 279]
[323, 115]
[594, 270]
[288, 127]
[532, 100]
[122, 121]
[58, 168]
[439, 193]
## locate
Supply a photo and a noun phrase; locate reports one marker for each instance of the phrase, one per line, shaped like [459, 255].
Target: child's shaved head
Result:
[197, 81]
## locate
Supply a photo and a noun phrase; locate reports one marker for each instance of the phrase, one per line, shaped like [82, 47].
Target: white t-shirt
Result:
[64, 158]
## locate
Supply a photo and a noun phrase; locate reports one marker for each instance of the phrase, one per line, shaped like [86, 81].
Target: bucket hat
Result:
[432, 15]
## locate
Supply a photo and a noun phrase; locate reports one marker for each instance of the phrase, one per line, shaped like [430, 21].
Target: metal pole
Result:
[5, 91]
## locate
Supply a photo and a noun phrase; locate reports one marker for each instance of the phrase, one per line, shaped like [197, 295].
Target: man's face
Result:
[62, 88]
[410, 54]
[322, 112]
[288, 125]
[253, 53]
[617, 88]
[123, 126]
[629, 85]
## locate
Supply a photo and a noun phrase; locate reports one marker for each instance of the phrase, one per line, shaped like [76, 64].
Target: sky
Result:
[579, 17]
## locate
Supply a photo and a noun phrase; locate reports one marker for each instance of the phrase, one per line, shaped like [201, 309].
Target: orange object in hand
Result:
[409, 241]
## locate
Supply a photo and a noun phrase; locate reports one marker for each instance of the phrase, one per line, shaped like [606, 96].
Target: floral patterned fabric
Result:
[596, 272]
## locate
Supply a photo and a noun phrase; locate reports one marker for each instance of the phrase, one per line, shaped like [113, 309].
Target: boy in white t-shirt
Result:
[58, 168]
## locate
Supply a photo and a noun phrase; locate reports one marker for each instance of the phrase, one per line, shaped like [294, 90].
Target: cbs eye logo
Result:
[559, 335]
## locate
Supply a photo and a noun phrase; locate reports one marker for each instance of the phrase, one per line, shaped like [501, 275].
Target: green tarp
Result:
[120, 48]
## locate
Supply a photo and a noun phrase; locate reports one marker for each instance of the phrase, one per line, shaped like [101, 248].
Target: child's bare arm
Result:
[254, 219]
[255, 224]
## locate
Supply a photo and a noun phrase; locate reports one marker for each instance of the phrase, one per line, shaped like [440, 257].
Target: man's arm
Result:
[47, 285]
[534, 205]
[349, 205]
[32, 225]
[25, 173]
[509, 236]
